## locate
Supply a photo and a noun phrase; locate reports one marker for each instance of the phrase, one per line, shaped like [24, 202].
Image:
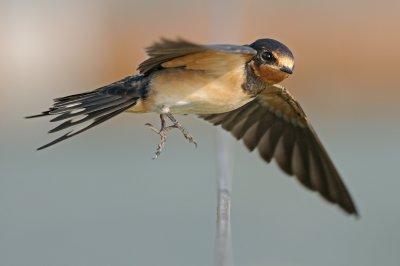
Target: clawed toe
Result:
[187, 135]
[163, 133]
[152, 128]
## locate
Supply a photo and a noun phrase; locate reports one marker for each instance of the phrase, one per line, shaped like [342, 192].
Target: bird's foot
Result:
[163, 135]
[185, 132]
[163, 132]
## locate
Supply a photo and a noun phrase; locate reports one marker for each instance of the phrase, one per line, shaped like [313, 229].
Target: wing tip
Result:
[351, 209]
[41, 148]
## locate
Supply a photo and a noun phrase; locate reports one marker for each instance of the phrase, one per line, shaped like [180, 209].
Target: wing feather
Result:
[181, 53]
[276, 124]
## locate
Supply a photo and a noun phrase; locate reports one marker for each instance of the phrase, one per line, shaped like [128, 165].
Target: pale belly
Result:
[196, 92]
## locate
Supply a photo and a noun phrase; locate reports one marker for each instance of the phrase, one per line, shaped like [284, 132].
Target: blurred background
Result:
[99, 198]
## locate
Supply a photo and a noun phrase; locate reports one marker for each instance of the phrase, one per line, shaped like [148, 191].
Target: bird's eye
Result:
[268, 57]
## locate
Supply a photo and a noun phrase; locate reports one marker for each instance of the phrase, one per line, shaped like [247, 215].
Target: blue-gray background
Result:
[99, 199]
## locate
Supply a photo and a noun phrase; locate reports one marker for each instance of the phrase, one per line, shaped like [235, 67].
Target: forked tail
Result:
[92, 108]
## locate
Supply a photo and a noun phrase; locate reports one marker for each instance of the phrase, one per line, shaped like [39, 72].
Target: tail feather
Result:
[89, 109]
[45, 113]
[95, 122]
[86, 109]
[92, 116]
[82, 103]
[73, 100]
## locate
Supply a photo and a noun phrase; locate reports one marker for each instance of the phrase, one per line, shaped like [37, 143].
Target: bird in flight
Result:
[235, 86]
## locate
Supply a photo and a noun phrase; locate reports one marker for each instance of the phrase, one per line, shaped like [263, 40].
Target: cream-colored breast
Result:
[198, 92]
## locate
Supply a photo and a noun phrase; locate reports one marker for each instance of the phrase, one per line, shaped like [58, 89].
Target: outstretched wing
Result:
[181, 53]
[276, 124]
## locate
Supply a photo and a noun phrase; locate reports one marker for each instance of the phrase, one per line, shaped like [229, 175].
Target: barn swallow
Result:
[235, 86]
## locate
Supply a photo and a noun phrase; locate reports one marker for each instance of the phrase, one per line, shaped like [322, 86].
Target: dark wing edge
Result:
[291, 142]
[166, 50]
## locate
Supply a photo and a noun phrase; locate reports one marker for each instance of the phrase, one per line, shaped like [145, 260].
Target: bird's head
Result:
[274, 61]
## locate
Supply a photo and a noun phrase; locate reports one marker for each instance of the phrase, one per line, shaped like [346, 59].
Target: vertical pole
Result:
[226, 27]
[223, 243]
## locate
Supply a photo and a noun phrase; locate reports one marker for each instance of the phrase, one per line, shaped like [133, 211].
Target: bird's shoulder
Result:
[281, 102]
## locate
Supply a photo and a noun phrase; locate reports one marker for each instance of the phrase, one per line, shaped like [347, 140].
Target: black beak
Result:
[286, 70]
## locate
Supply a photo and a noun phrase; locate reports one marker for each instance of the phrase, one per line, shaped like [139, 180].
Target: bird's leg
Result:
[184, 131]
[164, 129]
[163, 135]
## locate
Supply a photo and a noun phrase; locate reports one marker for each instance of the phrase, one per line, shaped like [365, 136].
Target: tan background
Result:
[99, 199]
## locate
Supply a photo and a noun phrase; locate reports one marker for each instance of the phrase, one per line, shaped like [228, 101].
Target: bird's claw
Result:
[185, 133]
[163, 134]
